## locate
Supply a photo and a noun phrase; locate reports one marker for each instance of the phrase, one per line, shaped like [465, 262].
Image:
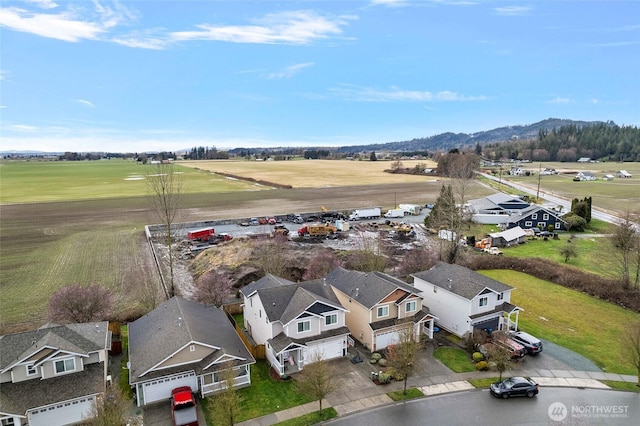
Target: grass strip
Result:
[623, 386]
[483, 383]
[311, 418]
[411, 394]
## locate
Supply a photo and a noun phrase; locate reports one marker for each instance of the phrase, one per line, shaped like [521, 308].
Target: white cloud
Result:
[22, 128]
[513, 10]
[43, 4]
[365, 94]
[86, 103]
[289, 71]
[389, 3]
[149, 39]
[295, 27]
[560, 100]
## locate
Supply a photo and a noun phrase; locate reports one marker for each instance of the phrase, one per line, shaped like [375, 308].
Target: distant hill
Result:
[447, 141]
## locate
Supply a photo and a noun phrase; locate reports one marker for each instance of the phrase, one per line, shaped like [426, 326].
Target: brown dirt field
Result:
[42, 228]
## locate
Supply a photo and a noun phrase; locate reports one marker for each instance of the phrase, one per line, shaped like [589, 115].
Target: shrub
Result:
[482, 366]
[384, 378]
[373, 360]
[382, 362]
[376, 356]
[477, 357]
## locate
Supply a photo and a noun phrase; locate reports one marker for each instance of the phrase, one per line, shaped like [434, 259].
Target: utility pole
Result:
[538, 192]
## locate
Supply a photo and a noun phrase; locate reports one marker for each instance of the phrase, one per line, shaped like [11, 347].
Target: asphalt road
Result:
[550, 406]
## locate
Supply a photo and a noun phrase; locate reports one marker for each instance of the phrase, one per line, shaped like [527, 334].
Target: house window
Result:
[8, 422]
[304, 326]
[192, 348]
[528, 224]
[435, 289]
[500, 296]
[534, 216]
[545, 216]
[331, 319]
[383, 311]
[65, 365]
[557, 225]
[483, 301]
[260, 313]
[31, 370]
[542, 225]
[410, 306]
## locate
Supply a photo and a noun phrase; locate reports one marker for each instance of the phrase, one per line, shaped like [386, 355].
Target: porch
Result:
[215, 382]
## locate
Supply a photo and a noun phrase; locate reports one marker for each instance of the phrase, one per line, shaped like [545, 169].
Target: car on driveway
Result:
[532, 344]
[514, 386]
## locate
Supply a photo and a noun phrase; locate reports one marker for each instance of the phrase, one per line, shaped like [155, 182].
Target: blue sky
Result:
[167, 75]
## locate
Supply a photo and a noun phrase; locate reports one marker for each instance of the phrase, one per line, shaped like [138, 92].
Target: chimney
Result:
[357, 291]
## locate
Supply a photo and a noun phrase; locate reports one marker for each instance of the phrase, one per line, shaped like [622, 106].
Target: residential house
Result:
[624, 174]
[464, 300]
[585, 176]
[516, 171]
[380, 307]
[53, 375]
[495, 208]
[508, 238]
[297, 322]
[536, 217]
[184, 343]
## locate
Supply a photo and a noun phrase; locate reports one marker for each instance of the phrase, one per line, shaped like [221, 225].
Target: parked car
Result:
[514, 386]
[263, 221]
[516, 350]
[183, 407]
[254, 221]
[272, 220]
[532, 344]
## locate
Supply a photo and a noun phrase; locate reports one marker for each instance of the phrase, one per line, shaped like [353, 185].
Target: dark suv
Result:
[531, 343]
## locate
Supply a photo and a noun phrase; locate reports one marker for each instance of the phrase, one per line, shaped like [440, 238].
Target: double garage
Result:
[62, 413]
[385, 338]
[327, 349]
[160, 389]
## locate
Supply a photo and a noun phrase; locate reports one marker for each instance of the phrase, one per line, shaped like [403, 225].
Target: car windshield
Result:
[507, 384]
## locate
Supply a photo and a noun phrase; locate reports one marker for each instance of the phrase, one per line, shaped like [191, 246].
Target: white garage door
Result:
[328, 350]
[157, 390]
[63, 413]
[385, 339]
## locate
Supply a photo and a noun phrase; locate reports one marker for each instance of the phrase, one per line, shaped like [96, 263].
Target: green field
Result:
[46, 181]
[584, 324]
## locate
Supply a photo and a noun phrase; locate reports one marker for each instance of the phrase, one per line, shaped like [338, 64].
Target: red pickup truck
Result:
[183, 407]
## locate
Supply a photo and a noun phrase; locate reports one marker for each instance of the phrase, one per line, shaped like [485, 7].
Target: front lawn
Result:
[624, 386]
[265, 395]
[454, 358]
[591, 327]
[483, 383]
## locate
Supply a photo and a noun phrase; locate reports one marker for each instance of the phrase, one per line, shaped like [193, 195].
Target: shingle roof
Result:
[367, 288]
[460, 280]
[174, 324]
[281, 341]
[17, 398]
[268, 281]
[287, 301]
[75, 338]
[510, 234]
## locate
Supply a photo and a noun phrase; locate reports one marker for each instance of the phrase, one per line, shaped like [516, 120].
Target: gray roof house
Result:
[184, 343]
[510, 237]
[297, 322]
[464, 300]
[54, 374]
[380, 307]
[495, 208]
[536, 217]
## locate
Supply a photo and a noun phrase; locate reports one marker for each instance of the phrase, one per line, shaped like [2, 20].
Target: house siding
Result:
[357, 321]
[257, 320]
[186, 356]
[452, 310]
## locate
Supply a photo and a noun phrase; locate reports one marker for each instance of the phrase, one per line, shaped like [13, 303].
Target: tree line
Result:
[601, 141]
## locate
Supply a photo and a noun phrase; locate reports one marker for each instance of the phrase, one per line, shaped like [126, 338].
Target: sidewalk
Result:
[357, 400]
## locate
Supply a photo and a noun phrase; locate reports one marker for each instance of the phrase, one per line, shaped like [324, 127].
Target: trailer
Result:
[395, 213]
[318, 230]
[204, 234]
[412, 209]
[370, 213]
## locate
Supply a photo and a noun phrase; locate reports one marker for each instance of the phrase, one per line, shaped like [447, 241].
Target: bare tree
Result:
[271, 255]
[225, 406]
[568, 251]
[497, 353]
[416, 260]
[316, 379]
[321, 264]
[626, 240]
[166, 189]
[213, 288]
[633, 345]
[402, 355]
[78, 304]
[372, 254]
[114, 409]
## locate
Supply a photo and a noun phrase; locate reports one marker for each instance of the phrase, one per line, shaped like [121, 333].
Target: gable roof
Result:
[510, 234]
[80, 339]
[284, 300]
[524, 213]
[367, 288]
[174, 324]
[460, 280]
[268, 281]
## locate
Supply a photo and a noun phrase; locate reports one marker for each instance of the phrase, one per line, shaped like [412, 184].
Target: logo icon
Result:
[557, 411]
